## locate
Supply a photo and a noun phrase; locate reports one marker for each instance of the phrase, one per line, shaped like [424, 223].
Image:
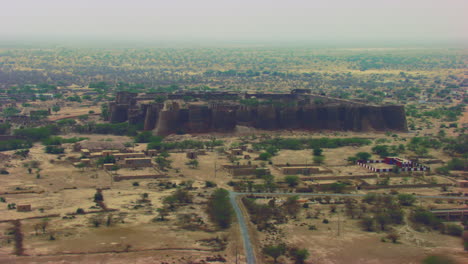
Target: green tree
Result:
[363, 155]
[106, 159]
[337, 187]
[162, 161]
[264, 156]
[269, 182]
[454, 229]
[54, 150]
[105, 111]
[381, 150]
[10, 111]
[317, 151]
[352, 159]
[368, 223]
[383, 220]
[300, 255]
[274, 251]
[406, 199]
[292, 180]
[292, 206]
[425, 217]
[98, 197]
[162, 212]
[193, 163]
[319, 159]
[220, 208]
[55, 108]
[421, 151]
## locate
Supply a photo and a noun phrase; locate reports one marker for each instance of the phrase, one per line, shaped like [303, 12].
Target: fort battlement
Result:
[221, 111]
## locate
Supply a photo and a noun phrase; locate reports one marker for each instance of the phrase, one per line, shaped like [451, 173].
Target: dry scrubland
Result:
[130, 226]
[62, 189]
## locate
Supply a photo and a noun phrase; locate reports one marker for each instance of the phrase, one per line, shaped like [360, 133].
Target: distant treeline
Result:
[186, 144]
[310, 143]
[120, 129]
[15, 144]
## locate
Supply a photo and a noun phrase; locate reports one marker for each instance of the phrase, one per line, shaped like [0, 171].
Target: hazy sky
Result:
[314, 21]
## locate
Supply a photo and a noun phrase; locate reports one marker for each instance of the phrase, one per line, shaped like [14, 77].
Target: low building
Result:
[301, 91]
[403, 165]
[304, 169]
[85, 152]
[245, 170]
[121, 156]
[151, 152]
[108, 166]
[85, 161]
[300, 170]
[456, 214]
[23, 208]
[137, 162]
[462, 183]
[98, 146]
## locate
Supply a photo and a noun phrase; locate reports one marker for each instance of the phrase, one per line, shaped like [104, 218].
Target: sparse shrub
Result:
[453, 229]
[98, 197]
[438, 260]
[300, 255]
[406, 199]
[292, 180]
[368, 224]
[425, 217]
[393, 237]
[210, 184]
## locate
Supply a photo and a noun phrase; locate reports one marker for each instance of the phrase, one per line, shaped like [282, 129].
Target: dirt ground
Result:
[343, 241]
[62, 189]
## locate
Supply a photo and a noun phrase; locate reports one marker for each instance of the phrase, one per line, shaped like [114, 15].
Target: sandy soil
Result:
[342, 241]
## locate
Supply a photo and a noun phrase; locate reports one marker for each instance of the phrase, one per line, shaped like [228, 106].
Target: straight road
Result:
[249, 253]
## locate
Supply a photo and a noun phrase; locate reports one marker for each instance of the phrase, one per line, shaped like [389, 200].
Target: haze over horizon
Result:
[321, 23]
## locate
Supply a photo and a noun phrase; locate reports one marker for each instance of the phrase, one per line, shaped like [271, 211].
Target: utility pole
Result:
[236, 254]
[339, 224]
[216, 158]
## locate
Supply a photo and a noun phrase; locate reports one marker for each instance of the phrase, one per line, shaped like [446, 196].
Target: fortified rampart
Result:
[277, 111]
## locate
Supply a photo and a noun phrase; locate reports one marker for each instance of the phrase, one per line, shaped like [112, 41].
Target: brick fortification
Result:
[222, 112]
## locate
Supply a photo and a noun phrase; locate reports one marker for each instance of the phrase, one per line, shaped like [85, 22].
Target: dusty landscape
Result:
[331, 160]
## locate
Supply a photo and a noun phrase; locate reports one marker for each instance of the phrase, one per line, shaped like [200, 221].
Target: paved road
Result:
[249, 253]
[248, 247]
